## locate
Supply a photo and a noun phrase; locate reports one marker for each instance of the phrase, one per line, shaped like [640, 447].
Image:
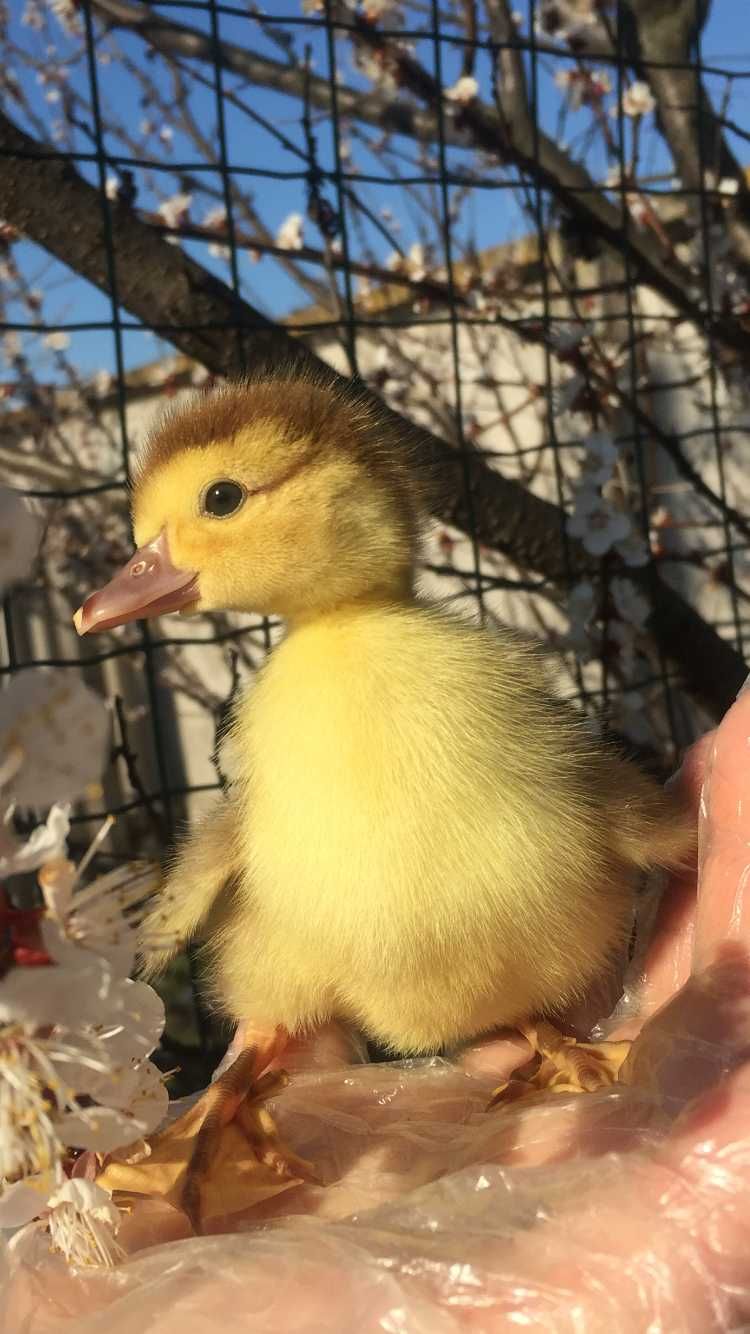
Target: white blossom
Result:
[32, 16]
[565, 21]
[631, 604]
[599, 83]
[634, 550]
[638, 100]
[374, 10]
[583, 87]
[74, 1042]
[728, 185]
[20, 535]
[216, 220]
[44, 844]
[596, 522]
[29, 1141]
[289, 235]
[100, 916]
[26, 1199]
[112, 188]
[12, 346]
[565, 395]
[623, 634]
[174, 212]
[66, 13]
[74, 1038]
[83, 1224]
[565, 338]
[58, 340]
[660, 518]
[600, 458]
[53, 731]
[416, 262]
[581, 607]
[166, 134]
[641, 210]
[102, 383]
[379, 70]
[464, 90]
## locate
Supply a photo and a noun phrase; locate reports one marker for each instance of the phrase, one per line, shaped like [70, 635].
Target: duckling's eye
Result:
[221, 499]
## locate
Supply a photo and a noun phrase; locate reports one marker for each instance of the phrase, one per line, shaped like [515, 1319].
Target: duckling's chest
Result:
[344, 786]
[332, 788]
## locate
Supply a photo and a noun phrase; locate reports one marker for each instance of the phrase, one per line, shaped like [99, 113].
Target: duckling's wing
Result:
[207, 862]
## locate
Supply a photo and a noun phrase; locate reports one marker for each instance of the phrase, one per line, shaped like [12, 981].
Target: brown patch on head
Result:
[311, 406]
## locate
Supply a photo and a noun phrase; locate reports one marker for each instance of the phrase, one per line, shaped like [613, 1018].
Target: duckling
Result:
[420, 837]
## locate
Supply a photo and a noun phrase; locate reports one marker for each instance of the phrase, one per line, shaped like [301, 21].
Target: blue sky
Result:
[489, 215]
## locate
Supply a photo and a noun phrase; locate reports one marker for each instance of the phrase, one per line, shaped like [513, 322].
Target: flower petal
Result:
[100, 1128]
[62, 728]
[20, 535]
[40, 997]
[141, 1012]
[45, 843]
[25, 1200]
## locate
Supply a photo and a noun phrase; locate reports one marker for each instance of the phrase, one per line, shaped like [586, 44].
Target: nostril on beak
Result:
[138, 568]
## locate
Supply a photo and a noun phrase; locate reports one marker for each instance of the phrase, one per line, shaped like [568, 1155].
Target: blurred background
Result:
[527, 228]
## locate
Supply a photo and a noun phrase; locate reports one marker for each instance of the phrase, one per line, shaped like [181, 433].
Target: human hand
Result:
[624, 1210]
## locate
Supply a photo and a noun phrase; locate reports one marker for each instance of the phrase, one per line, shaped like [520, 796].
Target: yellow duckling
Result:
[420, 837]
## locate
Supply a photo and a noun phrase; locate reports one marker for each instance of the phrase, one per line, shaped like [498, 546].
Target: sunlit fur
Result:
[421, 837]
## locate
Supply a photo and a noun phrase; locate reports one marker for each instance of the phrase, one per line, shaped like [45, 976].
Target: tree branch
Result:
[515, 140]
[513, 136]
[666, 30]
[179, 39]
[159, 284]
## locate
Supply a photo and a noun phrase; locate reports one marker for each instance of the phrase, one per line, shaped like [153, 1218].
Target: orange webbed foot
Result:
[224, 1154]
[562, 1064]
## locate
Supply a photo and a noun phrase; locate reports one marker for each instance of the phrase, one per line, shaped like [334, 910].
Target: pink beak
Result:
[149, 585]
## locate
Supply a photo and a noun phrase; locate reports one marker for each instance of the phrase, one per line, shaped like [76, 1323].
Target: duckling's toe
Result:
[222, 1157]
[562, 1064]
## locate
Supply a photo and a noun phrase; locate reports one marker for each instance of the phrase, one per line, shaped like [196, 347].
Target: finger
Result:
[331, 1046]
[723, 911]
[668, 957]
[496, 1056]
[701, 1034]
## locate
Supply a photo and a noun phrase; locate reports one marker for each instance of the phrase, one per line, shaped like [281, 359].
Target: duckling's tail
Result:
[207, 861]
[651, 826]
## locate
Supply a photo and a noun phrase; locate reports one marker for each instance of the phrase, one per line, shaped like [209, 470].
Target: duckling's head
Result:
[286, 493]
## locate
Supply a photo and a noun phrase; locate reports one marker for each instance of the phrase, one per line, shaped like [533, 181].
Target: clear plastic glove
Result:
[624, 1210]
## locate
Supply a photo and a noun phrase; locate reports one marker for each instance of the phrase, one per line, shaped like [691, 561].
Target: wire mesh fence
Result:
[527, 230]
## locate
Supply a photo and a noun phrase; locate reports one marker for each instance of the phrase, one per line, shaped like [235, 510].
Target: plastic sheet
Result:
[624, 1210]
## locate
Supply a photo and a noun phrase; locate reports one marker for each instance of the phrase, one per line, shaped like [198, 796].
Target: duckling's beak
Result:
[149, 585]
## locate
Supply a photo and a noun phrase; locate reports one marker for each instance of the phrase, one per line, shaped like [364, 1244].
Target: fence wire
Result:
[528, 231]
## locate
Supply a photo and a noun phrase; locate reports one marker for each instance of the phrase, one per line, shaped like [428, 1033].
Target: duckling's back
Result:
[435, 845]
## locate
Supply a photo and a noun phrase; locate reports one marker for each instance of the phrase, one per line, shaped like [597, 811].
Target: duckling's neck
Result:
[393, 599]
